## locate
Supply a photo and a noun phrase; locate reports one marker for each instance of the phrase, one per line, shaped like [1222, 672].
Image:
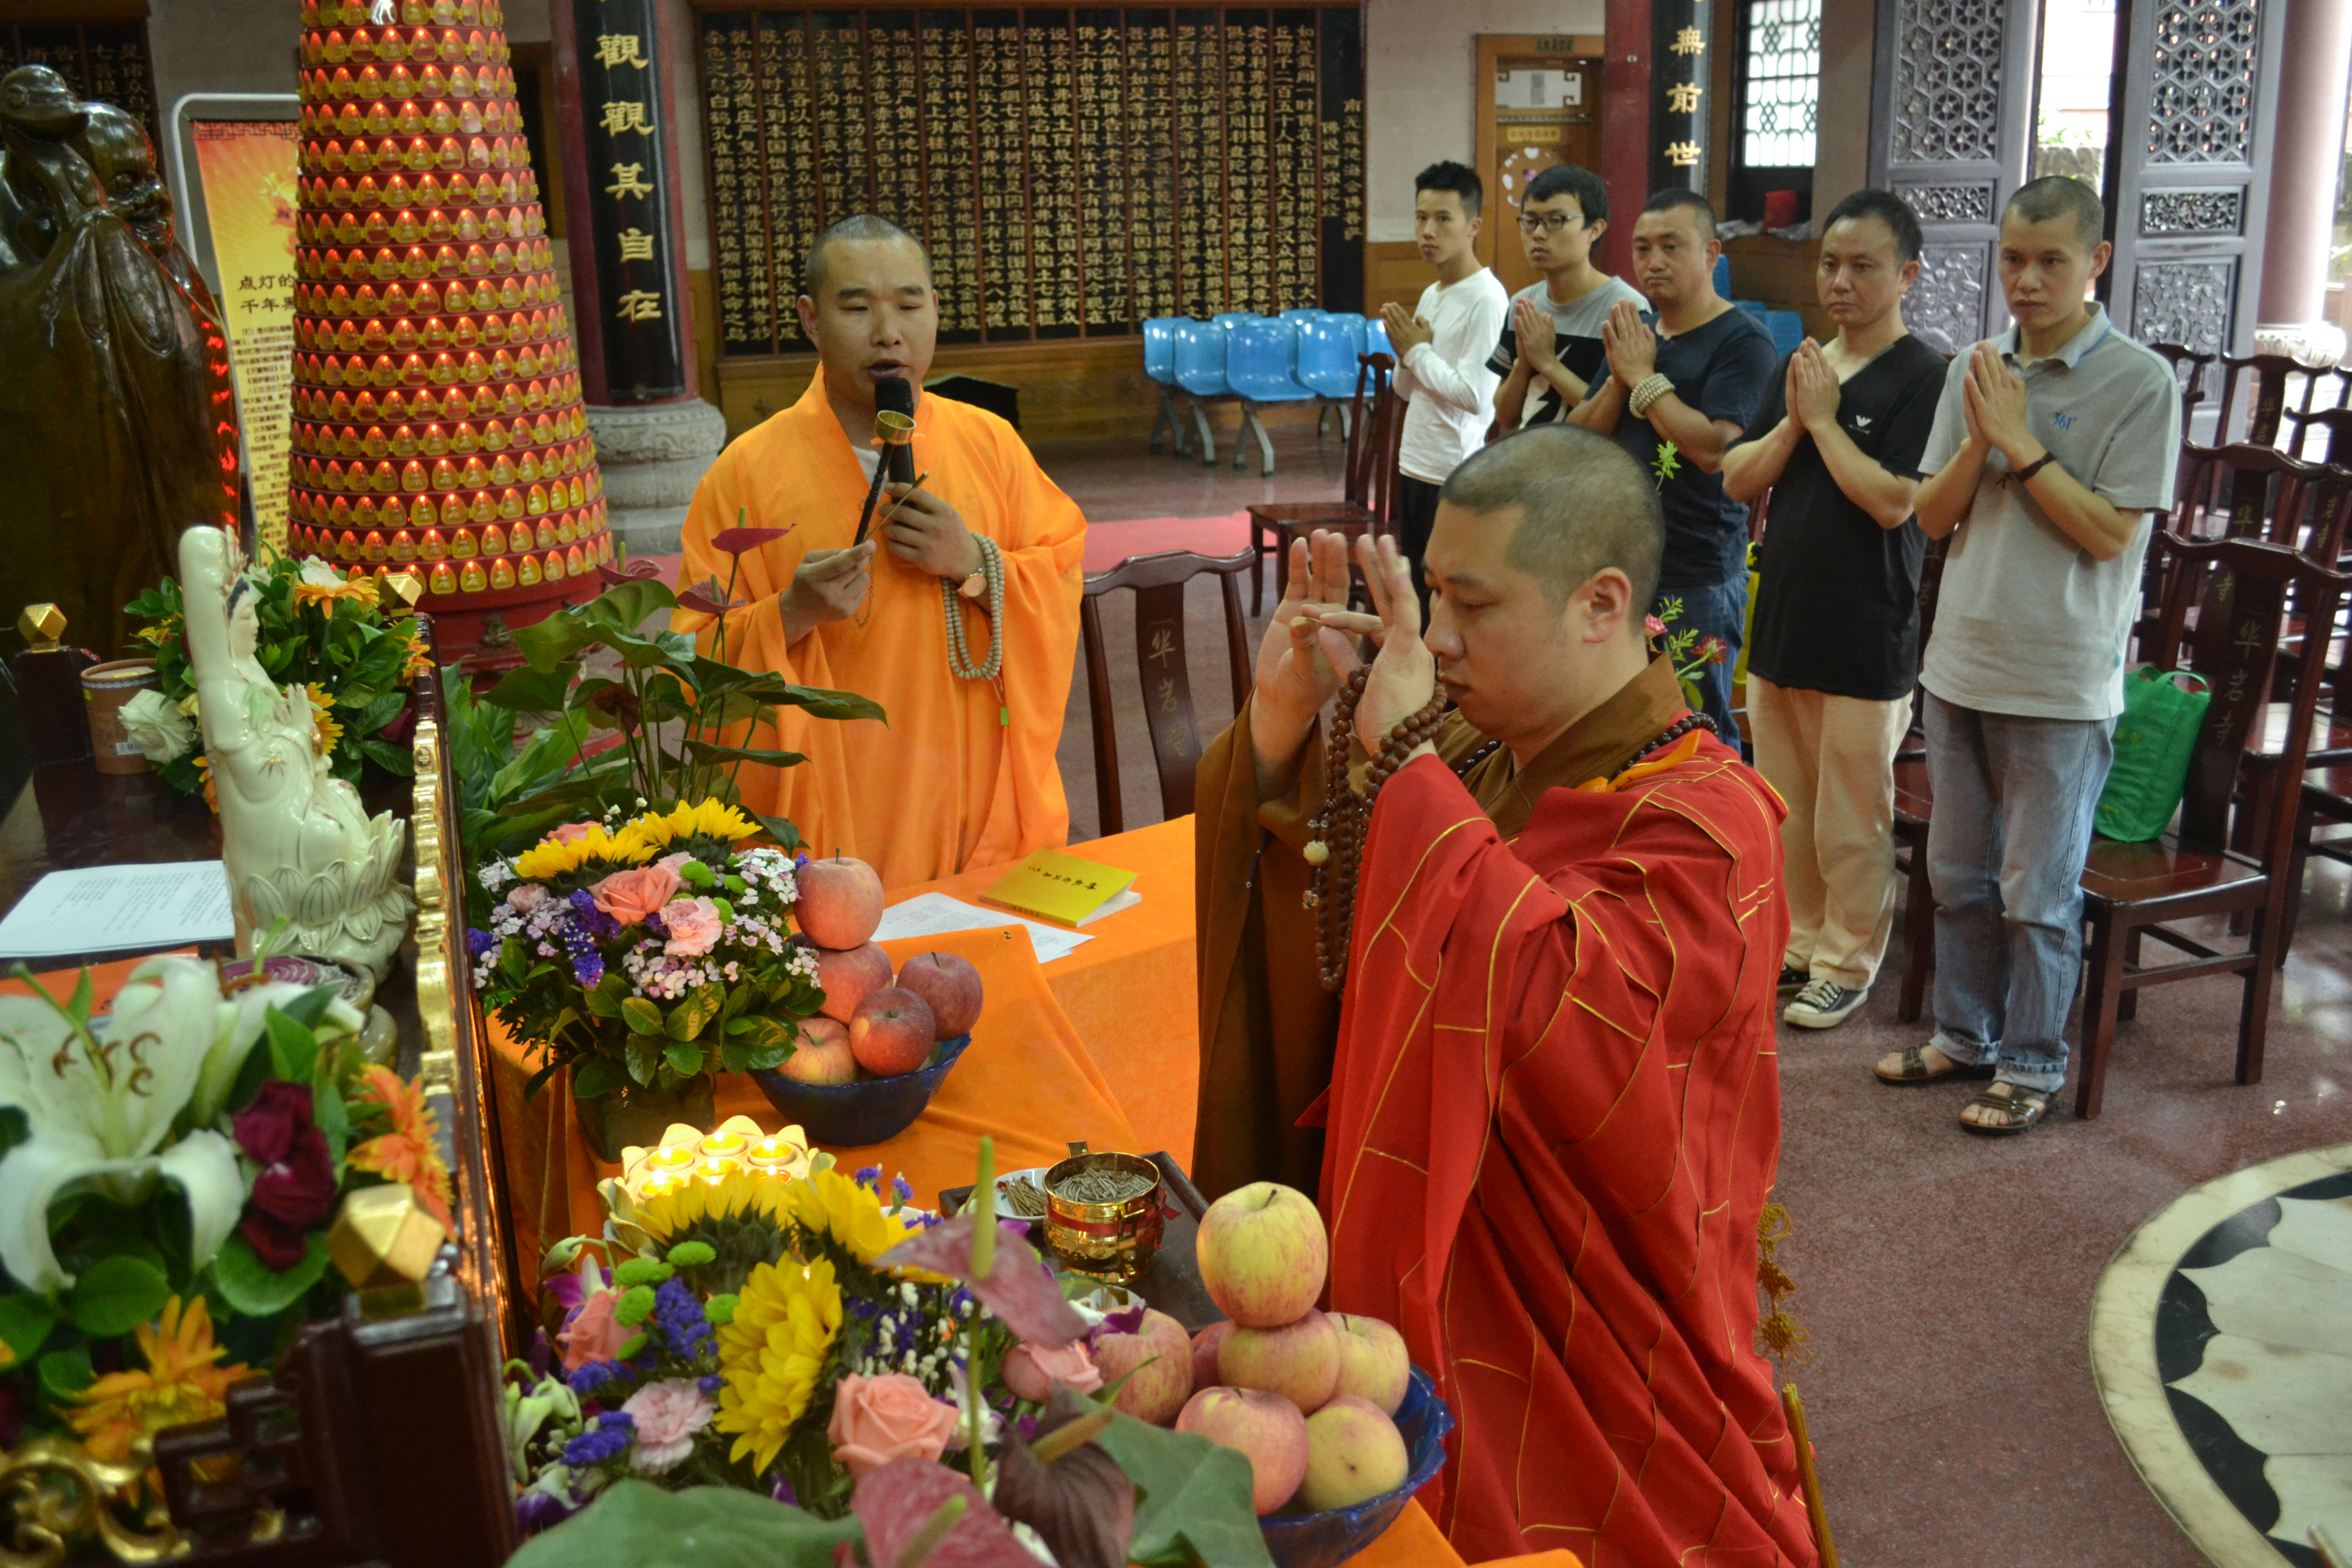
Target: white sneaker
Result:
[1824, 1005]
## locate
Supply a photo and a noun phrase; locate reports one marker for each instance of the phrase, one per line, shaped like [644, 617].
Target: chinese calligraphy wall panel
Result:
[102, 61]
[620, 66]
[1075, 170]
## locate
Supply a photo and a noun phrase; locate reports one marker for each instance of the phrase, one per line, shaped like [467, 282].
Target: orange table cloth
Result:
[1026, 1080]
[1131, 992]
[1415, 1542]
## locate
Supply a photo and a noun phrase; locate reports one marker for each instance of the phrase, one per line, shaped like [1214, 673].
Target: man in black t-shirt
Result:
[1683, 385]
[1835, 647]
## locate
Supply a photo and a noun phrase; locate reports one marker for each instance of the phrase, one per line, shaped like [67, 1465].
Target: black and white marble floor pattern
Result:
[2221, 1344]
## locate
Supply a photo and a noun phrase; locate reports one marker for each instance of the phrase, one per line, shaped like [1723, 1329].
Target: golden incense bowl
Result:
[1113, 1239]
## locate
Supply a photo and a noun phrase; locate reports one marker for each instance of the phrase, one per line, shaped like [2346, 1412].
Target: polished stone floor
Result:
[1945, 1280]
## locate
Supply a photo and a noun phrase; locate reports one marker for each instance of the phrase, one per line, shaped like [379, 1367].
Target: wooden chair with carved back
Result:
[1159, 583]
[1272, 524]
[2242, 591]
[2188, 370]
[2255, 396]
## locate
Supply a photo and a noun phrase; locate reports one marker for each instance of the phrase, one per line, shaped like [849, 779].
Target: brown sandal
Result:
[1914, 1069]
[2026, 1109]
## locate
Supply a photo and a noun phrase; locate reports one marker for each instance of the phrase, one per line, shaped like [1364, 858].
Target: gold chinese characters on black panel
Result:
[1075, 171]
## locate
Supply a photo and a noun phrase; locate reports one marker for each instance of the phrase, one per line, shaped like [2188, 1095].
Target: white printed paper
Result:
[930, 914]
[117, 908]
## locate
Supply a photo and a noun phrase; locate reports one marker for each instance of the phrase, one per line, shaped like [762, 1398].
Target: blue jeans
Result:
[2014, 800]
[1720, 611]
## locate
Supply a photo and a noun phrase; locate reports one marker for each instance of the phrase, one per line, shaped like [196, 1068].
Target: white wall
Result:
[1420, 98]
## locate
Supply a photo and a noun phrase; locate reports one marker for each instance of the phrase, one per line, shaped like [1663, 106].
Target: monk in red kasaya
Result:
[1553, 1108]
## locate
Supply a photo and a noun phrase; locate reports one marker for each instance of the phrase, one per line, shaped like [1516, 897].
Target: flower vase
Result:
[638, 1115]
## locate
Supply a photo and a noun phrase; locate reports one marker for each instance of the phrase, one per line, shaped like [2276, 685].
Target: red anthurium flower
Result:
[636, 571]
[736, 541]
[708, 597]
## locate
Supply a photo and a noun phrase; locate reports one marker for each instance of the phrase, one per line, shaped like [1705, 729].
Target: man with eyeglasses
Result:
[1551, 340]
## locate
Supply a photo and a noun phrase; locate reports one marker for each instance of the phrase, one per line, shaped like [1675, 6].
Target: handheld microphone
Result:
[896, 394]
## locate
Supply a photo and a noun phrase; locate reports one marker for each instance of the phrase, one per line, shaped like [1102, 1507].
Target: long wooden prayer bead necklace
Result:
[1335, 852]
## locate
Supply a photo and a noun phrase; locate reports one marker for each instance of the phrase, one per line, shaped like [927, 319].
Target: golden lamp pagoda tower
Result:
[437, 419]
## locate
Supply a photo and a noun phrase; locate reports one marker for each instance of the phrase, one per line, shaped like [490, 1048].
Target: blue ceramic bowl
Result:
[1320, 1540]
[871, 1111]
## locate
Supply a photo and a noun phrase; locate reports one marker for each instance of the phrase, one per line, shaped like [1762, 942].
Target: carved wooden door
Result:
[1951, 116]
[2196, 90]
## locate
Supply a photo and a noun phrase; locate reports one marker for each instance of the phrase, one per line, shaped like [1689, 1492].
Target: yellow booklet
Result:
[1062, 888]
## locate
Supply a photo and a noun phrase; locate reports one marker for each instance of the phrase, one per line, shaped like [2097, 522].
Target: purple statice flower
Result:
[592, 1376]
[679, 1316]
[616, 1431]
[594, 921]
[784, 1493]
[868, 1177]
[480, 942]
[657, 926]
[709, 1384]
[901, 1189]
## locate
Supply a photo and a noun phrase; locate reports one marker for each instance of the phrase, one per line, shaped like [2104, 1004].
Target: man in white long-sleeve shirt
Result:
[1442, 350]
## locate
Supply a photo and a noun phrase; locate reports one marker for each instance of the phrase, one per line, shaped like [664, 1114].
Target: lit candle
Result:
[773, 1154]
[717, 1168]
[724, 1143]
[671, 1157]
[661, 1185]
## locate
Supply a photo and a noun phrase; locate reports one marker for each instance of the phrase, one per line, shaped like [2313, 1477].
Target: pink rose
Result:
[667, 1415]
[877, 1419]
[592, 1335]
[570, 831]
[693, 925]
[526, 897]
[1031, 1371]
[629, 896]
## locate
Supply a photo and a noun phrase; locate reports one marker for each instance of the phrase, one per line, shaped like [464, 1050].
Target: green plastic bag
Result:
[2154, 738]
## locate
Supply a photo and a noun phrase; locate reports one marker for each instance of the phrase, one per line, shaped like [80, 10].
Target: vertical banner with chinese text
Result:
[635, 289]
[249, 168]
[1681, 31]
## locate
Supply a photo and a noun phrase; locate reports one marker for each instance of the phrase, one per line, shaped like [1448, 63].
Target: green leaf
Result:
[311, 1006]
[64, 1373]
[378, 712]
[534, 691]
[604, 1000]
[257, 1290]
[25, 1324]
[636, 1524]
[780, 829]
[599, 1076]
[397, 760]
[685, 1058]
[618, 612]
[643, 1016]
[115, 1295]
[709, 752]
[644, 1056]
[329, 1114]
[759, 1034]
[293, 1051]
[700, 1007]
[1193, 1499]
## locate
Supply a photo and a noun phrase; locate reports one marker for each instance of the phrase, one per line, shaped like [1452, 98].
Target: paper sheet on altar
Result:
[929, 914]
[110, 909]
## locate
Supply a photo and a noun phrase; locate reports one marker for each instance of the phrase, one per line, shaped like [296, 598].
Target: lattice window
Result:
[1781, 86]
[2203, 106]
[1947, 59]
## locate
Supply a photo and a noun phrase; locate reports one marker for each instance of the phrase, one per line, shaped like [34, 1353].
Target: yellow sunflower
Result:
[180, 1384]
[330, 728]
[770, 1355]
[580, 843]
[830, 1204]
[746, 1197]
[703, 819]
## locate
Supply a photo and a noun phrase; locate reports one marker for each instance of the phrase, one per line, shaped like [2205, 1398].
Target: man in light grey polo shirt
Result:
[2053, 449]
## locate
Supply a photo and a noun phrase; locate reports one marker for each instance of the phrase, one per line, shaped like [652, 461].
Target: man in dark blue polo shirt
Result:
[1684, 385]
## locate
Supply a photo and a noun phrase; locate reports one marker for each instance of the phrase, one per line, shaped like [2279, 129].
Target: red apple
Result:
[1263, 1254]
[951, 985]
[1264, 1428]
[1373, 1365]
[848, 976]
[1204, 1353]
[1299, 1360]
[1354, 1454]
[839, 901]
[1159, 1359]
[822, 1054]
[891, 1033]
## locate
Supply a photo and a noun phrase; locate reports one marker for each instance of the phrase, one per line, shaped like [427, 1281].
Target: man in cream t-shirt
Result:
[1442, 350]
[2053, 448]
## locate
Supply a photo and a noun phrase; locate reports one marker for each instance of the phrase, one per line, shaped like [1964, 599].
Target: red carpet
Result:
[1108, 544]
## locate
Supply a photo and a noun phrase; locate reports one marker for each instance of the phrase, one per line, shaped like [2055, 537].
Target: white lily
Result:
[100, 1102]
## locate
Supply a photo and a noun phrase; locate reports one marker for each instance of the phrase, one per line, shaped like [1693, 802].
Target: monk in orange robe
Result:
[962, 771]
[1553, 1108]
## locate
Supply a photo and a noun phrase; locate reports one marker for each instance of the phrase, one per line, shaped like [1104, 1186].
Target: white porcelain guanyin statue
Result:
[297, 843]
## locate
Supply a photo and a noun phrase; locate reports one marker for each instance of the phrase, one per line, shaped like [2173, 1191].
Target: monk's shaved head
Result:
[1586, 505]
[867, 226]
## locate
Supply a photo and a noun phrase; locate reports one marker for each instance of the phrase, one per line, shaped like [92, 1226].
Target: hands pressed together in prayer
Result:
[1406, 331]
[1311, 649]
[1993, 401]
[1538, 337]
[1631, 346]
[1812, 389]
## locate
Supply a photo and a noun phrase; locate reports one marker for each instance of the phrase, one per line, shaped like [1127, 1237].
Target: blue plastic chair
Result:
[1258, 356]
[1375, 337]
[1200, 374]
[1723, 276]
[1326, 366]
[1788, 328]
[1236, 317]
[1160, 366]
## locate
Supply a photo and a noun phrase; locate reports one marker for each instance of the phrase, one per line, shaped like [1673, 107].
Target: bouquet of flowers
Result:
[812, 1341]
[318, 631]
[171, 1170]
[1689, 652]
[645, 951]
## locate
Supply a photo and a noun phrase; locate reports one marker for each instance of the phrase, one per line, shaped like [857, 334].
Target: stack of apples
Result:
[873, 1022]
[1309, 1397]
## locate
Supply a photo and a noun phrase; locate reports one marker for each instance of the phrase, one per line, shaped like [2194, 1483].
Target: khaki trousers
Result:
[1833, 759]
